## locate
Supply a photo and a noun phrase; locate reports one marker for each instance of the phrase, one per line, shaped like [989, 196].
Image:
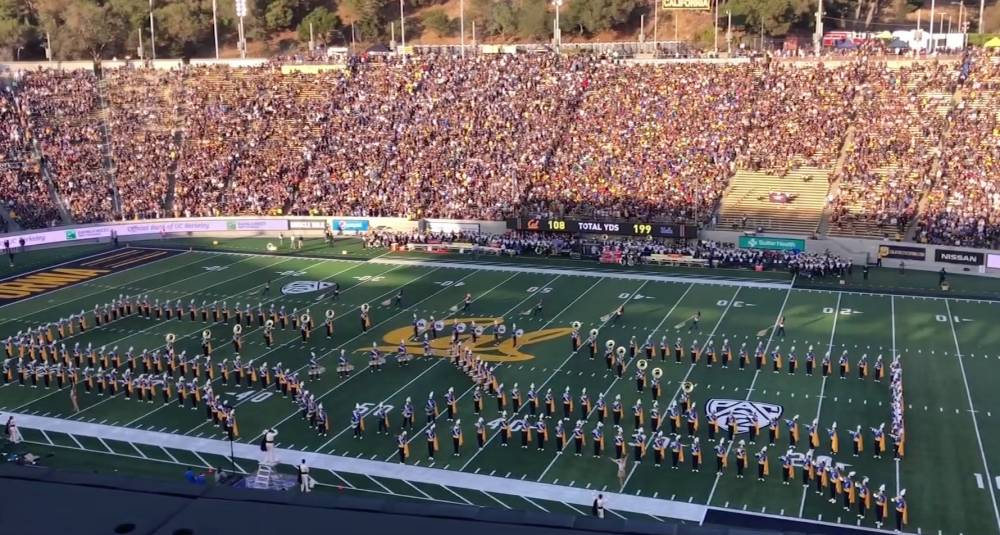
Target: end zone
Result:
[39, 282]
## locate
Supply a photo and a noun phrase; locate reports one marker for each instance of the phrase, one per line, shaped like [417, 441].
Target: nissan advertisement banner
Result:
[966, 258]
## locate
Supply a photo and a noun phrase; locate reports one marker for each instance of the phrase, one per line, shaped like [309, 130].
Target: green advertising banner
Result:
[772, 243]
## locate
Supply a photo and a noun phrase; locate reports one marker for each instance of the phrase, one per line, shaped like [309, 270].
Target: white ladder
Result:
[263, 478]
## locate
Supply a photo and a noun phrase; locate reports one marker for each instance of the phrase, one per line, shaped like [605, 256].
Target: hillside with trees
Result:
[111, 28]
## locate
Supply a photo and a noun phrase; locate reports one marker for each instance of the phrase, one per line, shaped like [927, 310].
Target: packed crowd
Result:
[494, 135]
[24, 194]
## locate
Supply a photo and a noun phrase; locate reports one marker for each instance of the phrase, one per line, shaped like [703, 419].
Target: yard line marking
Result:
[495, 499]
[612, 511]
[459, 496]
[529, 500]
[140, 452]
[756, 374]
[377, 482]
[156, 324]
[346, 482]
[204, 461]
[291, 341]
[172, 458]
[822, 392]
[47, 438]
[77, 442]
[105, 444]
[579, 512]
[509, 312]
[358, 373]
[691, 367]
[972, 408]
[558, 368]
[416, 488]
[386, 400]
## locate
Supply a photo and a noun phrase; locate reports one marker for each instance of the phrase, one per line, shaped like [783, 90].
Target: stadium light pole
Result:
[402, 27]
[556, 32]
[656, 25]
[152, 32]
[715, 29]
[215, 25]
[241, 11]
[930, 47]
[461, 24]
[982, 7]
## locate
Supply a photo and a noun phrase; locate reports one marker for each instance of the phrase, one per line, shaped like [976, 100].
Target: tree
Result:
[15, 27]
[279, 14]
[182, 27]
[438, 21]
[775, 17]
[325, 25]
[595, 16]
[533, 20]
[502, 19]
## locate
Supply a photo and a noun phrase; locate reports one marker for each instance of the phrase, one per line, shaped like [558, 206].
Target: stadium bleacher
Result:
[864, 149]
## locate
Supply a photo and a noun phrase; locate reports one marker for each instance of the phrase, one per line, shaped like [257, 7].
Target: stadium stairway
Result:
[107, 159]
[748, 196]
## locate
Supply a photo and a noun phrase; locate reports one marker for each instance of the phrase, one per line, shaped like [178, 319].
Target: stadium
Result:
[654, 286]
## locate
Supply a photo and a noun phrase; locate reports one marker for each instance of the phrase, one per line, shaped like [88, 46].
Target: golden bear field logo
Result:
[485, 347]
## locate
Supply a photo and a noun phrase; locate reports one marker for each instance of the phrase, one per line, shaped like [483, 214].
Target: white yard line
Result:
[386, 400]
[416, 488]
[377, 482]
[756, 374]
[358, 373]
[289, 342]
[561, 365]
[529, 500]
[680, 384]
[822, 387]
[972, 412]
[496, 499]
[509, 312]
[459, 496]
[421, 474]
[140, 452]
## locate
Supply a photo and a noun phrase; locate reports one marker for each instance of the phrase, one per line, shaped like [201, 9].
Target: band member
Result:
[560, 436]
[597, 437]
[834, 439]
[567, 402]
[878, 437]
[864, 498]
[776, 360]
[787, 468]
[827, 365]
[793, 430]
[863, 367]
[431, 409]
[858, 440]
[713, 426]
[810, 361]
[721, 457]
[762, 464]
[659, 448]
[696, 455]
[879, 370]
[601, 408]
[695, 353]
[542, 433]
[640, 380]
[676, 452]
[638, 445]
[550, 403]
[727, 354]
[654, 416]
[432, 442]
[638, 413]
[792, 361]
[526, 429]
[678, 351]
[505, 430]
[480, 432]
[773, 430]
[451, 403]
[457, 439]
[813, 431]
[407, 414]
[744, 357]
[742, 459]
[845, 365]
[382, 415]
[358, 421]
[617, 410]
[692, 421]
[881, 507]
[501, 396]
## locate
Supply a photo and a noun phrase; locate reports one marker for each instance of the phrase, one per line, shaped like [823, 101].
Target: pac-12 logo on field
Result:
[745, 413]
[304, 287]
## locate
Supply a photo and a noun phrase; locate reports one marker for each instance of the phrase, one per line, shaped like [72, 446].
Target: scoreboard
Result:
[597, 226]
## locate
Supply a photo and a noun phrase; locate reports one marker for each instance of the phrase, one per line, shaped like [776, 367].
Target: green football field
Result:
[946, 347]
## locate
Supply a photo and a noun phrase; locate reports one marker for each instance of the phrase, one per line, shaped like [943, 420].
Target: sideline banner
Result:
[902, 252]
[152, 227]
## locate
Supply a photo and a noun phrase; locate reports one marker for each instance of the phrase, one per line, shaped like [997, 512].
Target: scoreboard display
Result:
[616, 228]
